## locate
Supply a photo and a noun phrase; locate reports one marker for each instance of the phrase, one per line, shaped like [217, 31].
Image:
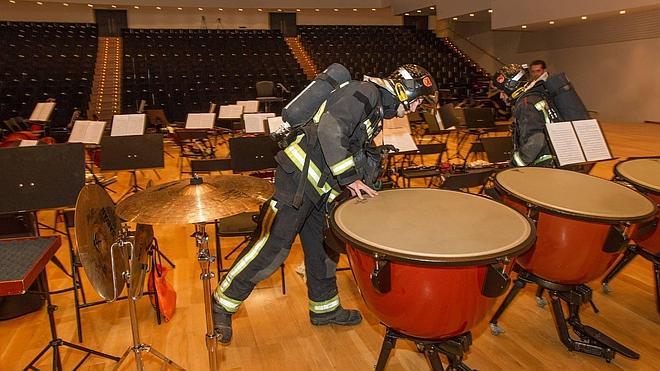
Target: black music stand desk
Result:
[21, 262]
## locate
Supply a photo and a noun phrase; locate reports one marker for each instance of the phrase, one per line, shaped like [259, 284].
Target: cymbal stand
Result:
[138, 347]
[205, 261]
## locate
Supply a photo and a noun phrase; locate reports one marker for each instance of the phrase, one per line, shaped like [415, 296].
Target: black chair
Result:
[416, 172]
[469, 179]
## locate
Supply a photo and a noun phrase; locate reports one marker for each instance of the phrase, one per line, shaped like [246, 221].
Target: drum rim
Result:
[639, 187]
[454, 262]
[589, 218]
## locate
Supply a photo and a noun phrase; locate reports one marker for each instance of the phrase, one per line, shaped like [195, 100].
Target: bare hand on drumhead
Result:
[357, 187]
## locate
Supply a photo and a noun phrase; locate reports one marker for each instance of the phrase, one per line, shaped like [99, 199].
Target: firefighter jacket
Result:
[529, 138]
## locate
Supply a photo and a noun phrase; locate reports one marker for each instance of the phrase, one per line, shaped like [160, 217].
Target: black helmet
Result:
[511, 79]
[410, 82]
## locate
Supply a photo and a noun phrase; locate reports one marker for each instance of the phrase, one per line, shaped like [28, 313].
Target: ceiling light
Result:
[114, 6]
[551, 22]
[490, 10]
[317, 10]
[432, 8]
[583, 17]
[179, 8]
[471, 14]
[200, 9]
[279, 10]
[354, 9]
[158, 8]
[12, 1]
[220, 9]
[419, 11]
[373, 9]
[90, 5]
[136, 7]
[298, 10]
[622, 12]
[406, 13]
[335, 9]
[40, 3]
[240, 9]
[260, 10]
[524, 26]
[455, 18]
[65, 4]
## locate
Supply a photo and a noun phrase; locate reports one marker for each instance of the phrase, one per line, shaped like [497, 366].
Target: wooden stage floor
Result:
[272, 331]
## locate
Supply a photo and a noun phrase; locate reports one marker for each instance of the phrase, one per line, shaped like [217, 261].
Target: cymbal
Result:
[144, 237]
[196, 200]
[97, 229]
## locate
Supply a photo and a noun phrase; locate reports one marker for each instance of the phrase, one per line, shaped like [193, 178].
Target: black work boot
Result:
[221, 322]
[339, 316]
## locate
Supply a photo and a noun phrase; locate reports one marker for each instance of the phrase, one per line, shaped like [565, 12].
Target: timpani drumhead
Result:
[575, 194]
[642, 172]
[434, 226]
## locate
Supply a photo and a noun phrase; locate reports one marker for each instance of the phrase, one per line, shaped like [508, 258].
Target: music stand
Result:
[498, 149]
[21, 262]
[252, 153]
[132, 153]
[479, 118]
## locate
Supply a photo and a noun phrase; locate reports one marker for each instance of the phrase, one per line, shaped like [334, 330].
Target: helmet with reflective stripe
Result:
[410, 82]
[511, 79]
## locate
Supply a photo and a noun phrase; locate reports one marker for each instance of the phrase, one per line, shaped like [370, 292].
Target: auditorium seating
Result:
[378, 50]
[46, 60]
[183, 70]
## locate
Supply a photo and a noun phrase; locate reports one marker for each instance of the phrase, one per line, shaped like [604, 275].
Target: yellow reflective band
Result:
[517, 160]
[542, 107]
[226, 302]
[324, 306]
[254, 251]
[342, 166]
[542, 159]
[343, 84]
[317, 116]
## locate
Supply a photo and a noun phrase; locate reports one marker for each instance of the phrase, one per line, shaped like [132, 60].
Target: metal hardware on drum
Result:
[453, 348]
[591, 341]
[128, 252]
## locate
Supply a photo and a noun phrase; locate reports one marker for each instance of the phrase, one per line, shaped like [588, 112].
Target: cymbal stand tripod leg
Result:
[205, 261]
[138, 347]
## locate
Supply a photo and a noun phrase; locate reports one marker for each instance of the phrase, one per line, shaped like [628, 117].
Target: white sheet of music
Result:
[397, 123]
[565, 143]
[42, 111]
[87, 132]
[274, 123]
[231, 111]
[133, 124]
[592, 140]
[28, 143]
[254, 122]
[249, 106]
[400, 139]
[200, 121]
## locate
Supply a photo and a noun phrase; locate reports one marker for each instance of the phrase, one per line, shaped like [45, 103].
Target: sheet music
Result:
[254, 122]
[274, 123]
[438, 119]
[200, 121]
[28, 143]
[42, 111]
[397, 123]
[400, 139]
[565, 143]
[249, 106]
[87, 132]
[591, 138]
[231, 111]
[133, 124]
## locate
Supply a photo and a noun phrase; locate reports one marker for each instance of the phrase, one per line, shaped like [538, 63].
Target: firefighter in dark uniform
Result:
[331, 154]
[531, 114]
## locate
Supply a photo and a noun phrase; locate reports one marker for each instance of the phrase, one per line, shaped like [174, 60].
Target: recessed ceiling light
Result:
[373, 9]
[40, 3]
[158, 8]
[552, 22]
[279, 10]
[114, 6]
[622, 12]
[200, 9]
[65, 4]
[335, 9]
[317, 10]
[298, 10]
[12, 1]
[179, 8]
[471, 14]
[490, 10]
[583, 17]
[406, 13]
[524, 26]
[419, 11]
[220, 9]
[455, 18]
[432, 8]
[354, 9]
[240, 9]
[90, 5]
[260, 10]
